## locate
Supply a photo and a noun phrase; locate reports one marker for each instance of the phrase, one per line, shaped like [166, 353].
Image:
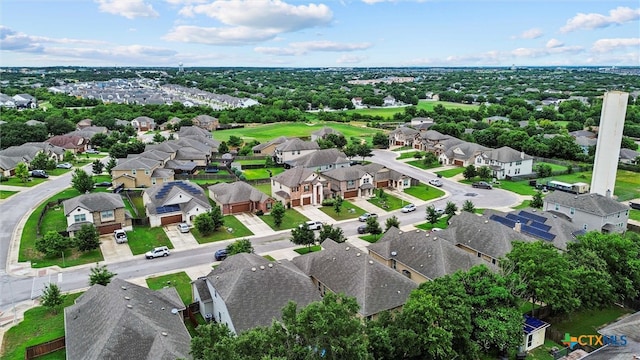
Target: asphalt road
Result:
[14, 289]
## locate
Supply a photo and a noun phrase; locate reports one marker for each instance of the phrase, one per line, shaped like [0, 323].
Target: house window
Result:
[294, 188]
[79, 218]
[107, 215]
[393, 263]
[269, 205]
[557, 207]
[306, 188]
[406, 273]
[479, 255]
[133, 172]
[146, 172]
[365, 180]
[529, 340]
[153, 181]
[518, 163]
[585, 226]
[406, 182]
[572, 210]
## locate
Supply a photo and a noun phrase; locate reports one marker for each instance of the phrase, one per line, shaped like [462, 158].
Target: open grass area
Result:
[232, 229]
[265, 133]
[54, 220]
[6, 193]
[291, 219]
[265, 188]
[450, 172]
[588, 321]
[253, 174]
[403, 148]
[14, 181]
[388, 112]
[518, 187]
[251, 162]
[306, 249]
[424, 192]
[634, 215]
[409, 155]
[180, 280]
[58, 172]
[371, 238]
[138, 203]
[144, 238]
[39, 326]
[101, 178]
[544, 352]
[554, 167]
[441, 224]
[349, 211]
[389, 202]
[421, 165]
[523, 205]
[627, 182]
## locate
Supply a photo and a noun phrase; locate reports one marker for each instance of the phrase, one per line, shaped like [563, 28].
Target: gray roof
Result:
[141, 119]
[464, 150]
[424, 252]
[628, 326]
[180, 165]
[208, 141]
[589, 203]
[326, 131]
[155, 154]
[277, 141]
[404, 130]
[34, 122]
[241, 277]
[346, 173]
[297, 144]
[161, 173]
[319, 158]
[239, 191]
[94, 202]
[205, 119]
[582, 133]
[506, 154]
[628, 154]
[343, 268]
[433, 135]
[136, 163]
[295, 176]
[381, 172]
[159, 194]
[585, 141]
[124, 320]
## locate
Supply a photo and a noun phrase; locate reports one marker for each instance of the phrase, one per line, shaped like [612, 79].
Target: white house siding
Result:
[79, 211]
[191, 214]
[537, 339]
[283, 156]
[220, 312]
[591, 222]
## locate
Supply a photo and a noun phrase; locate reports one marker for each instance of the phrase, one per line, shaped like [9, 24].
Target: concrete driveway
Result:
[112, 251]
[180, 241]
[254, 223]
[314, 213]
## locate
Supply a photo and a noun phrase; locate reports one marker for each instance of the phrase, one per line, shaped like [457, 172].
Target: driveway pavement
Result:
[314, 213]
[180, 241]
[255, 224]
[112, 251]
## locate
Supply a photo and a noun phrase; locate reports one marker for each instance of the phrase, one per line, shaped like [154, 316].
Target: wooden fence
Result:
[35, 351]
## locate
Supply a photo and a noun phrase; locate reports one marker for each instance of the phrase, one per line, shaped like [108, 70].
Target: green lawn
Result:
[554, 167]
[389, 203]
[39, 326]
[58, 172]
[421, 165]
[543, 352]
[139, 205]
[144, 238]
[589, 321]
[371, 238]
[251, 162]
[450, 172]
[253, 174]
[269, 257]
[442, 224]
[101, 178]
[306, 249]
[291, 219]
[518, 187]
[54, 220]
[409, 155]
[634, 215]
[349, 211]
[6, 193]
[524, 205]
[424, 192]
[403, 148]
[627, 182]
[423, 104]
[179, 280]
[265, 188]
[265, 133]
[238, 230]
[14, 181]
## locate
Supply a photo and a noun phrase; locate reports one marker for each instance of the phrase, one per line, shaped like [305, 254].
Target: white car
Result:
[183, 227]
[64, 166]
[408, 208]
[313, 225]
[120, 236]
[157, 252]
[435, 182]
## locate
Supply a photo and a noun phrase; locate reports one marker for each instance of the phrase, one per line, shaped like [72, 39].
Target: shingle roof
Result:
[124, 320]
[318, 158]
[506, 154]
[159, 194]
[297, 144]
[343, 268]
[94, 202]
[136, 163]
[347, 173]
[628, 326]
[326, 131]
[239, 191]
[296, 176]
[628, 154]
[404, 130]
[589, 203]
[240, 277]
[277, 141]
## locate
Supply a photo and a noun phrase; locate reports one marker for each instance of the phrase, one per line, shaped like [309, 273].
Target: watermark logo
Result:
[594, 340]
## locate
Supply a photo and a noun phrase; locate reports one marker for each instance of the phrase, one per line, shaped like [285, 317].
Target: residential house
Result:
[583, 133]
[402, 136]
[143, 123]
[420, 255]
[495, 118]
[463, 153]
[585, 143]
[505, 162]
[269, 148]
[140, 172]
[126, 321]
[89, 131]
[320, 160]
[534, 332]
[628, 156]
[84, 123]
[357, 102]
[11, 156]
[173, 122]
[592, 212]
[432, 141]
[25, 101]
[299, 186]
[350, 182]
[322, 133]
[293, 149]
[388, 101]
[105, 211]
[73, 143]
[384, 177]
[343, 268]
[240, 197]
[174, 202]
[206, 122]
[420, 121]
[617, 349]
[7, 101]
[229, 293]
[193, 130]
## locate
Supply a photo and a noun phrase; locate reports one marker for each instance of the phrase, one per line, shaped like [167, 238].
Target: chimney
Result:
[518, 226]
[521, 154]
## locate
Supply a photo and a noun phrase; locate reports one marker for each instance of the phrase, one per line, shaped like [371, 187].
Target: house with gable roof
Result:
[350, 182]
[206, 122]
[106, 211]
[590, 212]
[174, 202]
[384, 177]
[322, 133]
[629, 326]
[293, 149]
[239, 197]
[505, 162]
[420, 255]
[140, 172]
[143, 123]
[321, 160]
[73, 143]
[193, 131]
[299, 186]
[269, 148]
[402, 136]
[343, 268]
[463, 153]
[228, 293]
[126, 321]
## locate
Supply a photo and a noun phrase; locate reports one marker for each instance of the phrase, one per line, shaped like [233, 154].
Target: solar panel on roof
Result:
[167, 209]
[531, 324]
[538, 233]
[515, 217]
[541, 226]
[508, 222]
[534, 217]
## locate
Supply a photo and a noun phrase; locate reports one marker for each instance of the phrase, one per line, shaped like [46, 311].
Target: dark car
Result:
[362, 229]
[634, 205]
[38, 174]
[482, 185]
[220, 254]
[102, 184]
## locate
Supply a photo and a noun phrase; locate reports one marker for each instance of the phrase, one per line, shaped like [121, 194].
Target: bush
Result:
[328, 202]
[259, 213]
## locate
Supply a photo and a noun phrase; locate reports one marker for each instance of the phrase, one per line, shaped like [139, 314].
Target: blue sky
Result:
[333, 33]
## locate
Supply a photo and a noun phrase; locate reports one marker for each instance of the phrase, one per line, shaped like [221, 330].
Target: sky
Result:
[326, 33]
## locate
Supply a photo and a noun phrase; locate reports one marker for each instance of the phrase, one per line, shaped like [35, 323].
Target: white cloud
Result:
[617, 16]
[13, 40]
[130, 9]
[555, 49]
[529, 34]
[219, 36]
[394, 1]
[276, 51]
[350, 59]
[183, 2]
[301, 48]
[608, 45]
[554, 43]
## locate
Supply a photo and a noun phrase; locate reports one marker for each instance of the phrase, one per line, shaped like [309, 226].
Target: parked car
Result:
[38, 174]
[65, 165]
[92, 151]
[435, 182]
[365, 216]
[120, 236]
[482, 185]
[102, 184]
[220, 254]
[408, 208]
[183, 227]
[362, 229]
[157, 252]
[634, 205]
[313, 225]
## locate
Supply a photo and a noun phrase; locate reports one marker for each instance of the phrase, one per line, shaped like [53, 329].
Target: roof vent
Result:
[413, 248]
[127, 298]
[435, 238]
[371, 262]
[357, 254]
[174, 311]
[398, 291]
[393, 253]
[261, 267]
[253, 269]
[417, 230]
[270, 265]
[346, 249]
[129, 306]
[399, 232]
[150, 301]
[123, 287]
[164, 333]
[486, 221]
[162, 308]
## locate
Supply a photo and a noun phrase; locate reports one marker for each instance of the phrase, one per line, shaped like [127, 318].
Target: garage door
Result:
[171, 219]
[295, 202]
[306, 201]
[350, 194]
[108, 229]
[240, 208]
[382, 184]
[458, 162]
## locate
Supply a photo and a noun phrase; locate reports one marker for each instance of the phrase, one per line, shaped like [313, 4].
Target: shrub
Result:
[328, 202]
[259, 213]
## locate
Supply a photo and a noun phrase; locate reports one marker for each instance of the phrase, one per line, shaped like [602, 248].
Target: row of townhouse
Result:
[25, 153]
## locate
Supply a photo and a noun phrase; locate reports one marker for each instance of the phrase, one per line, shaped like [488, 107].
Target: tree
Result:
[158, 138]
[337, 204]
[111, 164]
[469, 172]
[81, 181]
[277, 212]
[543, 170]
[468, 206]
[330, 232]
[40, 161]
[432, 215]
[22, 172]
[52, 298]
[351, 151]
[118, 151]
[234, 141]
[217, 217]
[240, 246]
[536, 201]
[100, 275]
[430, 158]
[373, 227]
[97, 167]
[451, 208]
[223, 148]
[204, 224]
[302, 235]
[52, 243]
[484, 172]
[69, 156]
[391, 222]
[208, 340]
[87, 238]
[380, 140]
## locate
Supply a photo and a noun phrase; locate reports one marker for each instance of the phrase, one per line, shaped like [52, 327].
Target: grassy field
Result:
[6, 193]
[58, 172]
[634, 215]
[307, 249]
[265, 133]
[253, 174]
[518, 187]
[523, 205]
[426, 105]
[179, 280]
[589, 321]
[389, 203]
[144, 238]
[627, 182]
[450, 172]
[554, 167]
[409, 155]
[39, 326]
[424, 192]
[291, 219]
[238, 230]
[421, 165]
[265, 188]
[14, 181]
[371, 238]
[53, 220]
[349, 211]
